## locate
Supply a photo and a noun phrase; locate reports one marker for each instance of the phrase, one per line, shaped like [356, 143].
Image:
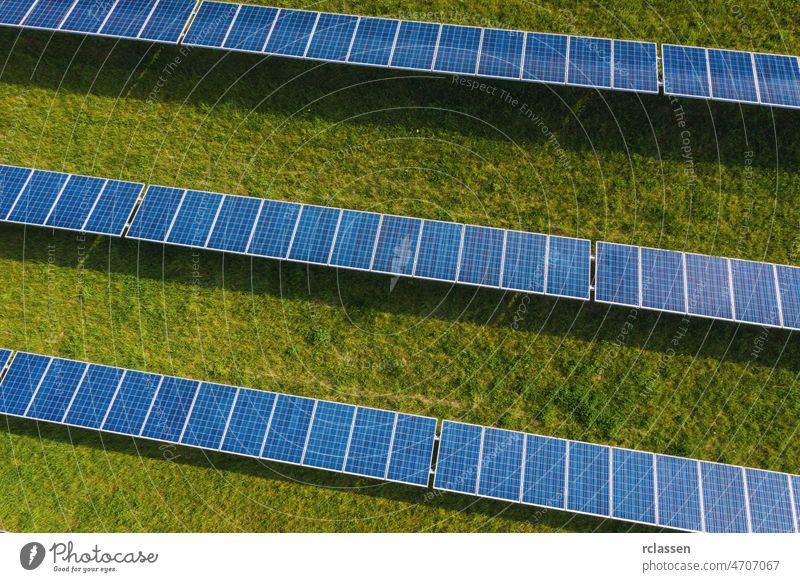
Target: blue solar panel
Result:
[589, 62]
[662, 280]
[482, 256]
[314, 235]
[678, 493]
[47, 14]
[634, 486]
[248, 423]
[13, 11]
[56, 390]
[789, 285]
[211, 24]
[21, 381]
[501, 53]
[251, 28]
[708, 286]
[234, 224]
[288, 428]
[685, 71]
[397, 245]
[167, 21]
[36, 200]
[439, 250]
[412, 449]
[94, 396]
[545, 58]
[327, 441]
[501, 464]
[368, 453]
[127, 18]
[332, 37]
[778, 79]
[129, 409]
[156, 213]
[796, 494]
[545, 471]
[416, 45]
[617, 276]
[732, 76]
[274, 229]
[754, 292]
[167, 415]
[459, 457]
[723, 498]
[4, 356]
[87, 16]
[458, 49]
[75, 203]
[568, 267]
[114, 207]
[12, 180]
[770, 502]
[355, 239]
[635, 67]
[291, 32]
[195, 217]
[209, 416]
[588, 478]
[373, 41]
[524, 263]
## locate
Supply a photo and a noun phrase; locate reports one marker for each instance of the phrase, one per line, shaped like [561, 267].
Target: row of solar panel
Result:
[427, 249]
[66, 201]
[313, 433]
[153, 20]
[716, 287]
[731, 75]
[574, 476]
[617, 483]
[468, 50]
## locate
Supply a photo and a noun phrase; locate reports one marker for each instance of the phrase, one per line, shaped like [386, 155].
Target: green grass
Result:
[607, 166]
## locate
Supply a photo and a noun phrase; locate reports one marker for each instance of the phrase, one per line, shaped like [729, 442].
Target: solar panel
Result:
[482, 256]
[21, 382]
[679, 495]
[13, 11]
[251, 28]
[568, 267]
[93, 397]
[501, 464]
[770, 500]
[194, 219]
[54, 393]
[732, 76]
[208, 416]
[789, 289]
[249, 422]
[113, 208]
[291, 34]
[439, 251]
[210, 25]
[633, 478]
[590, 62]
[87, 16]
[156, 213]
[370, 442]
[38, 197]
[685, 71]
[274, 228]
[545, 58]
[288, 427]
[458, 48]
[5, 355]
[501, 53]
[708, 286]
[617, 274]
[662, 285]
[635, 66]
[12, 181]
[167, 21]
[332, 37]
[329, 435]
[373, 41]
[778, 79]
[724, 499]
[234, 223]
[355, 240]
[415, 45]
[459, 457]
[75, 203]
[131, 403]
[412, 450]
[170, 408]
[127, 18]
[588, 480]
[397, 245]
[545, 471]
[47, 14]
[754, 292]
[313, 237]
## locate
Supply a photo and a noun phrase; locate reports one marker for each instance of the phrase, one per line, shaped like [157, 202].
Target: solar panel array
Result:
[152, 20]
[574, 476]
[624, 484]
[423, 46]
[253, 423]
[727, 75]
[699, 285]
[66, 201]
[366, 241]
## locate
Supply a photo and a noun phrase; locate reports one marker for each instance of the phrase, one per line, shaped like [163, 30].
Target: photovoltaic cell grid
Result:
[427, 249]
[314, 433]
[700, 285]
[446, 48]
[726, 75]
[154, 20]
[66, 201]
[623, 484]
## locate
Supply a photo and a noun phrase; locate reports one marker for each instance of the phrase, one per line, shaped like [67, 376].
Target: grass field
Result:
[616, 167]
